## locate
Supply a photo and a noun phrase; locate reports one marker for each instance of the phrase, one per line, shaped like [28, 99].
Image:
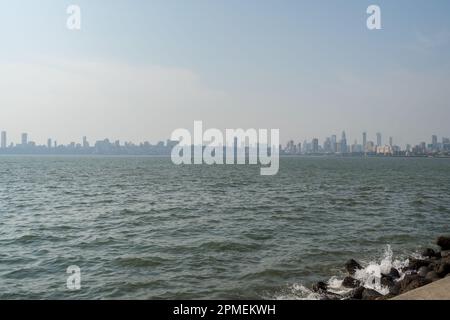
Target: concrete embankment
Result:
[438, 290]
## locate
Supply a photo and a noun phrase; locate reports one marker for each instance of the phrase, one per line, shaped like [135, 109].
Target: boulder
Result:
[387, 281]
[443, 242]
[370, 294]
[394, 274]
[445, 253]
[411, 282]
[423, 271]
[443, 268]
[415, 264]
[320, 287]
[429, 253]
[350, 282]
[351, 266]
[432, 276]
[355, 294]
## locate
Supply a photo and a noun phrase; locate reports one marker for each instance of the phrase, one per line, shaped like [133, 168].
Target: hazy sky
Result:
[137, 70]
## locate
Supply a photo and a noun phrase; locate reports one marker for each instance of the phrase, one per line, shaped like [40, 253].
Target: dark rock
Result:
[429, 253]
[394, 274]
[443, 242]
[356, 294]
[443, 269]
[320, 287]
[351, 266]
[370, 294]
[387, 281]
[395, 289]
[432, 276]
[445, 253]
[411, 282]
[350, 282]
[331, 296]
[415, 264]
[423, 271]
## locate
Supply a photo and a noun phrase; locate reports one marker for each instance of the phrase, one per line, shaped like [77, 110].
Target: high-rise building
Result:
[49, 143]
[24, 139]
[434, 140]
[315, 145]
[3, 144]
[391, 141]
[379, 139]
[85, 143]
[333, 143]
[364, 141]
[343, 148]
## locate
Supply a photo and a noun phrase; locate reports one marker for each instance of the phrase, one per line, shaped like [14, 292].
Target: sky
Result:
[137, 70]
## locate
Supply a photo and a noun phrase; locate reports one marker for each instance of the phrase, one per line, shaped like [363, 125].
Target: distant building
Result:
[364, 144]
[315, 145]
[379, 141]
[343, 148]
[3, 142]
[24, 139]
[385, 150]
[49, 143]
[391, 141]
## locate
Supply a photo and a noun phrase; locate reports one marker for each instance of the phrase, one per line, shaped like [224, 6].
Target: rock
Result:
[432, 276]
[445, 253]
[320, 287]
[443, 269]
[393, 274]
[387, 281]
[411, 282]
[395, 289]
[350, 282]
[331, 296]
[351, 266]
[370, 294]
[423, 271]
[443, 242]
[415, 264]
[356, 294]
[428, 253]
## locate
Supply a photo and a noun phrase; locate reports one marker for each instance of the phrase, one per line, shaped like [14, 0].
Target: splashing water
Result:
[369, 277]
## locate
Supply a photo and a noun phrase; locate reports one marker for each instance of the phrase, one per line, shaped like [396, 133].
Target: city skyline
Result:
[330, 144]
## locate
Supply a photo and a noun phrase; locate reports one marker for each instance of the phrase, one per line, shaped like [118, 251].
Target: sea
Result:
[144, 228]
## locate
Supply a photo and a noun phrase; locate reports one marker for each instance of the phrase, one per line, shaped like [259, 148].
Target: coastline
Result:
[422, 277]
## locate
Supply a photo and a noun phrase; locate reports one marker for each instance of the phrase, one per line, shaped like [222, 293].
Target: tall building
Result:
[315, 145]
[379, 139]
[391, 141]
[344, 148]
[333, 143]
[24, 139]
[3, 144]
[434, 141]
[85, 143]
[49, 143]
[364, 141]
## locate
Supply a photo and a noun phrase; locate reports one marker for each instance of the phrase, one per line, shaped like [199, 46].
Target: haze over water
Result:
[141, 227]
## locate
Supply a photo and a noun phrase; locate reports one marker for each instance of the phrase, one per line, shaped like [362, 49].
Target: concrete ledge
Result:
[438, 290]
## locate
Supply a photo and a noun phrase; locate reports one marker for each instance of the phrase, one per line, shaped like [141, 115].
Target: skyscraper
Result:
[379, 139]
[3, 144]
[49, 143]
[333, 143]
[24, 139]
[344, 148]
[315, 145]
[391, 141]
[364, 141]
[434, 141]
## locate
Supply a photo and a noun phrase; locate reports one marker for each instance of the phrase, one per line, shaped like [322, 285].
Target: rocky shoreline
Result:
[431, 266]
